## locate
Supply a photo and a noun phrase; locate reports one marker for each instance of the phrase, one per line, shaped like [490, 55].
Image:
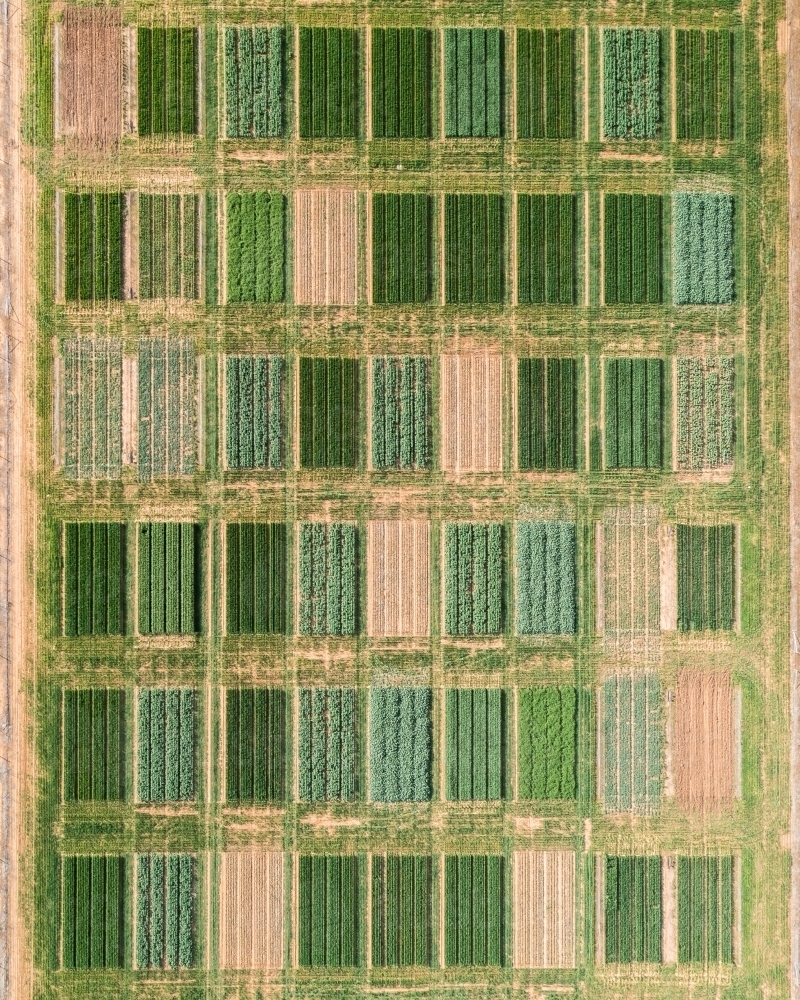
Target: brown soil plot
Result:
[251, 911]
[89, 96]
[704, 752]
[399, 578]
[472, 412]
[325, 233]
[544, 909]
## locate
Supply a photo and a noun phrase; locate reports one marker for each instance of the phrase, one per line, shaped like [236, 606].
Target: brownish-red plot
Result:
[544, 909]
[251, 910]
[705, 751]
[89, 84]
[399, 578]
[472, 412]
[325, 255]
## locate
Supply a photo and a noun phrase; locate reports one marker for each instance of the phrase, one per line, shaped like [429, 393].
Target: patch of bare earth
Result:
[544, 909]
[399, 586]
[325, 247]
[251, 910]
[89, 98]
[472, 412]
[704, 752]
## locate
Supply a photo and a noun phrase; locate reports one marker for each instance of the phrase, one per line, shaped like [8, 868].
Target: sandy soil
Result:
[399, 588]
[544, 909]
[669, 929]
[90, 75]
[704, 752]
[325, 247]
[251, 910]
[473, 412]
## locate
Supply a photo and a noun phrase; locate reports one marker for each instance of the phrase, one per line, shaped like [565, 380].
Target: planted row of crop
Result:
[473, 578]
[475, 739]
[254, 411]
[400, 744]
[706, 577]
[632, 736]
[545, 83]
[94, 578]
[329, 73]
[473, 247]
[165, 911]
[473, 82]
[633, 389]
[401, 82]
[94, 745]
[401, 247]
[169, 566]
[254, 82]
[166, 743]
[327, 578]
[705, 412]
[92, 389]
[401, 405]
[329, 918]
[169, 246]
[702, 248]
[546, 413]
[546, 241]
[256, 243]
[94, 224]
[167, 84]
[255, 748]
[548, 743]
[402, 909]
[93, 894]
[705, 909]
[546, 578]
[474, 910]
[255, 563]
[633, 909]
[328, 412]
[631, 248]
[631, 83]
[703, 84]
[327, 745]
[167, 402]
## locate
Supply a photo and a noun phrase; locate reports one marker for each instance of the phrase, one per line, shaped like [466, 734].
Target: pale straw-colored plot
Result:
[399, 578]
[472, 412]
[89, 75]
[544, 909]
[251, 910]
[325, 235]
[705, 755]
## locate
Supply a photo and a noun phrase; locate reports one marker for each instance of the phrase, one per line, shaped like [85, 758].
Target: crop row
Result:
[167, 87]
[169, 566]
[632, 741]
[548, 743]
[704, 84]
[165, 911]
[93, 758]
[473, 247]
[633, 389]
[327, 744]
[329, 68]
[401, 247]
[255, 238]
[633, 909]
[254, 60]
[328, 412]
[93, 893]
[94, 224]
[705, 412]
[473, 568]
[705, 909]
[402, 909]
[255, 745]
[92, 390]
[476, 743]
[327, 578]
[546, 243]
[400, 744]
[632, 252]
[546, 578]
[169, 246]
[546, 83]
[706, 577]
[401, 82]
[254, 411]
[94, 578]
[255, 566]
[473, 74]
[474, 910]
[546, 413]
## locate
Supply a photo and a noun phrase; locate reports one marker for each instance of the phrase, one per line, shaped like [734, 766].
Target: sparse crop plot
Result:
[94, 231]
[705, 909]
[399, 578]
[400, 743]
[705, 751]
[631, 601]
[255, 755]
[329, 74]
[401, 247]
[632, 248]
[474, 243]
[402, 905]
[169, 563]
[546, 578]
[329, 914]
[475, 734]
[702, 248]
[256, 242]
[546, 248]
[93, 893]
[167, 407]
[473, 566]
[544, 909]
[634, 391]
[633, 909]
[631, 83]
[401, 406]
[166, 744]
[255, 588]
[169, 246]
[165, 911]
[254, 82]
[474, 910]
[251, 910]
[94, 578]
[547, 743]
[328, 412]
[325, 247]
[92, 388]
[472, 412]
[705, 412]
[473, 82]
[89, 95]
[401, 83]
[255, 388]
[703, 84]
[632, 738]
[545, 83]
[546, 413]
[327, 574]
[93, 745]
[706, 577]
[327, 745]
[167, 89]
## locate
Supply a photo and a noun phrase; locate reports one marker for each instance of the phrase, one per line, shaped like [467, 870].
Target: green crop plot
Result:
[400, 744]
[93, 228]
[401, 83]
[256, 242]
[705, 909]
[329, 59]
[546, 578]
[631, 83]
[166, 732]
[704, 84]
[256, 595]
[93, 893]
[328, 412]
[474, 911]
[546, 248]
[167, 83]
[545, 83]
[547, 738]
[633, 909]
[94, 578]
[705, 412]
[327, 572]
[702, 248]
[254, 82]
[633, 413]
[546, 413]
[473, 247]
[475, 736]
[401, 247]
[632, 250]
[255, 747]
[168, 577]
[329, 921]
[402, 910]
[473, 82]
[473, 575]
[706, 577]
[401, 405]
[255, 389]
[93, 745]
[169, 246]
[327, 742]
[166, 887]
[632, 743]
[167, 408]
[92, 408]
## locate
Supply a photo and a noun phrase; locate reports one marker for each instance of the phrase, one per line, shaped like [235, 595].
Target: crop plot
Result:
[630, 615]
[399, 578]
[401, 247]
[327, 745]
[633, 909]
[634, 391]
[89, 95]
[255, 236]
[546, 246]
[255, 387]
[705, 909]
[401, 406]
[166, 744]
[325, 247]
[94, 578]
[169, 563]
[167, 89]
[705, 752]
[251, 910]
[475, 735]
[544, 909]
[632, 254]
[705, 412]
[400, 743]
[702, 248]
[402, 910]
[93, 745]
[472, 412]
[255, 589]
[631, 739]
[474, 239]
[631, 83]
[169, 246]
[401, 83]
[473, 82]
[165, 911]
[703, 84]
[254, 82]
[546, 413]
[474, 910]
[546, 578]
[93, 892]
[706, 577]
[92, 387]
[473, 567]
[329, 59]
[255, 754]
[328, 412]
[545, 83]
[329, 918]
[547, 743]
[167, 407]
[327, 572]
[94, 231]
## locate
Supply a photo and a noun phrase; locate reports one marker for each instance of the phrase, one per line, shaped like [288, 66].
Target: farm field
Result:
[399, 578]
[251, 910]
[401, 82]
[254, 59]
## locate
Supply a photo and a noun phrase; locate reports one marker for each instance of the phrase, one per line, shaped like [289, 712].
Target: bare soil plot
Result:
[325, 233]
[544, 909]
[399, 578]
[704, 747]
[89, 97]
[472, 412]
[251, 910]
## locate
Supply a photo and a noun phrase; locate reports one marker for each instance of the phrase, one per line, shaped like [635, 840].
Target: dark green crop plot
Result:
[632, 252]
[547, 743]
[705, 909]
[545, 83]
[401, 247]
[631, 83]
[254, 411]
[169, 563]
[401, 83]
[474, 910]
[473, 82]
[704, 84]
[93, 235]
[329, 918]
[401, 405]
[165, 911]
[475, 733]
[254, 82]
[93, 893]
[166, 758]
[546, 248]
[328, 412]
[94, 578]
[473, 578]
[93, 745]
[327, 745]
[633, 413]
[706, 577]
[329, 73]
[633, 909]
[256, 749]
[546, 413]
[167, 88]
[474, 268]
[402, 905]
[256, 242]
[255, 583]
